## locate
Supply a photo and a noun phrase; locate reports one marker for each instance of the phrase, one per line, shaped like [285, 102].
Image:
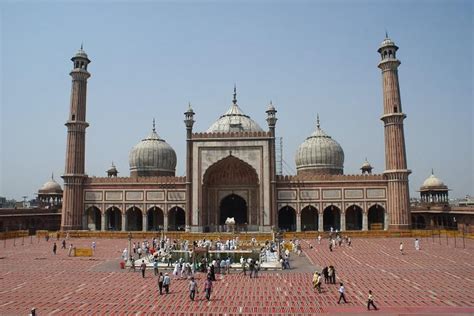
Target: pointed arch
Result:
[287, 218]
[94, 218]
[376, 217]
[353, 217]
[113, 218]
[155, 216]
[176, 219]
[309, 218]
[134, 219]
[332, 218]
[230, 170]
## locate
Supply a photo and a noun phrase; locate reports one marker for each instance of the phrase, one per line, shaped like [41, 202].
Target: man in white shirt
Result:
[341, 293]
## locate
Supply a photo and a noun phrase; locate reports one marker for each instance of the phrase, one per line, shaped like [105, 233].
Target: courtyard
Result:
[437, 279]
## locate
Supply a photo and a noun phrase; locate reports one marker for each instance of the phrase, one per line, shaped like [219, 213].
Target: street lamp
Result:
[129, 261]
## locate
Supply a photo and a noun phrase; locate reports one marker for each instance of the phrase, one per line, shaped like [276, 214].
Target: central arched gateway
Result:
[230, 189]
[233, 206]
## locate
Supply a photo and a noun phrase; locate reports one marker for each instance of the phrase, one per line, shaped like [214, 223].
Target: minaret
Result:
[396, 171]
[189, 122]
[271, 120]
[74, 175]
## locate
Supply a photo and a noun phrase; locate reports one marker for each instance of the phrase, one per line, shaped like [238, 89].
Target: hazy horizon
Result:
[150, 59]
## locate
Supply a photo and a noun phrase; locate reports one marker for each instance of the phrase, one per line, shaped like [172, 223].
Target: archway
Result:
[155, 219]
[94, 218]
[287, 219]
[113, 219]
[176, 219]
[233, 206]
[332, 218]
[134, 219]
[376, 217]
[220, 181]
[309, 218]
[353, 218]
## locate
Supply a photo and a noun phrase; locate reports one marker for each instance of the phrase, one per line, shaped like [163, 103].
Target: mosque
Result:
[231, 172]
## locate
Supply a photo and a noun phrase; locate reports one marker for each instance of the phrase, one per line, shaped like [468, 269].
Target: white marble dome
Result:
[152, 157]
[432, 182]
[51, 187]
[234, 120]
[320, 154]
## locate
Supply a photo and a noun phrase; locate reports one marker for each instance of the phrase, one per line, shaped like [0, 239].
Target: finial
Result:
[432, 172]
[235, 95]
[52, 176]
[189, 105]
[271, 103]
[82, 44]
[317, 121]
[386, 34]
[154, 125]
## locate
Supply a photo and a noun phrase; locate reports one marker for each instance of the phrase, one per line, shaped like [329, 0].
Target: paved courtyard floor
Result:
[439, 279]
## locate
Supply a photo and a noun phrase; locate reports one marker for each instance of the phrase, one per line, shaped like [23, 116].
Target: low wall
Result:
[260, 237]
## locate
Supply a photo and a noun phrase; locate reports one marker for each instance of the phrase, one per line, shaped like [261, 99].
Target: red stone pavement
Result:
[438, 279]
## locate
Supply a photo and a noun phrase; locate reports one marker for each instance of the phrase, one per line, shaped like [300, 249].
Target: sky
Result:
[149, 59]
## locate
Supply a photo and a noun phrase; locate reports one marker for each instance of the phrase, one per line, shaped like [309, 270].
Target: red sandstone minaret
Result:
[396, 170]
[74, 174]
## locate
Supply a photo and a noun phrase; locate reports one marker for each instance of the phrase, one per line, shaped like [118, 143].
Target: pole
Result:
[5, 243]
[14, 241]
[455, 233]
[23, 241]
[447, 241]
[463, 243]
[31, 239]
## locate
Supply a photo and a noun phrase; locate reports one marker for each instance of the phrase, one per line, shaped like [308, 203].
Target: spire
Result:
[432, 172]
[82, 44]
[154, 130]
[52, 176]
[235, 95]
[317, 122]
[386, 34]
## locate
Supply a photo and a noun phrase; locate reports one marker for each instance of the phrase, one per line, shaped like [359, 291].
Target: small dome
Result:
[320, 154]
[433, 182]
[51, 187]
[234, 120]
[81, 54]
[152, 157]
[366, 165]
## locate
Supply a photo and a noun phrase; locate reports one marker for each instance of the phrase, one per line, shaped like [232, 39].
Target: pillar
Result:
[165, 221]
[365, 221]
[102, 221]
[298, 222]
[144, 222]
[320, 221]
[124, 222]
[343, 221]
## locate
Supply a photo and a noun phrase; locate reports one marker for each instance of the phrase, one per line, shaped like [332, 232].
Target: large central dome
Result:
[320, 154]
[152, 157]
[234, 120]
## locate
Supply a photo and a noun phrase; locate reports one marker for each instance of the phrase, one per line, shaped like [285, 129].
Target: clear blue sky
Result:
[150, 59]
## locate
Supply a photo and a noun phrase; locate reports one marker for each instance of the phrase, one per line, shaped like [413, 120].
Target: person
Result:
[143, 268]
[318, 283]
[155, 266]
[333, 277]
[166, 283]
[341, 293]
[93, 246]
[417, 244]
[349, 241]
[326, 275]
[315, 279]
[251, 268]
[330, 272]
[69, 251]
[370, 301]
[401, 247]
[63, 244]
[132, 265]
[192, 288]
[319, 239]
[257, 268]
[55, 247]
[244, 266]
[208, 288]
[160, 282]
